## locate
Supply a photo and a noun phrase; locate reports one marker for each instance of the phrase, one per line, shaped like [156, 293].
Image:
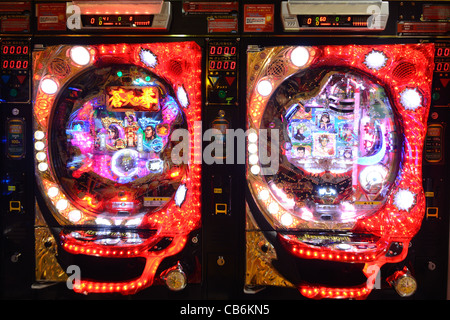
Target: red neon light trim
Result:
[145, 280]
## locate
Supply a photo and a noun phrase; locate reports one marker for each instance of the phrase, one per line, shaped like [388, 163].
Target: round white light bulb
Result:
[286, 219]
[252, 137]
[264, 88]
[49, 86]
[410, 99]
[43, 166]
[74, 215]
[375, 60]
[39, 146]
[41, 156]
[80, 55]
[273, 208]
[62, 204]
[253, 159]
[52, 192]
[264, 194]
[255, 169]
[299, 56]
[404, 199]
[252, 148]
[39, 135]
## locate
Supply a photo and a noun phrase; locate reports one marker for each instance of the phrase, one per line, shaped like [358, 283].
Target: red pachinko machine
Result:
[121, 204]
[334, 162]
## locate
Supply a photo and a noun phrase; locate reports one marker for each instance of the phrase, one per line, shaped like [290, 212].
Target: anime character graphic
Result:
[149, 133]
[131, 128]
[346, 133]
[324, 145]
[150, 142]
[299, 135]
[131, 137]
[325, 122]
[300, 152]
[113, 136]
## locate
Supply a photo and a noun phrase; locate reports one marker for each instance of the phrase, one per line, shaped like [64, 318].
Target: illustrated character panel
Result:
[340, 145]
[113, 128]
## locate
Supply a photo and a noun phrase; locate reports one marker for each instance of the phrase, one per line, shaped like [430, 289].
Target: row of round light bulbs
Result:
[52, 192]
[299, 57]
[79, 55]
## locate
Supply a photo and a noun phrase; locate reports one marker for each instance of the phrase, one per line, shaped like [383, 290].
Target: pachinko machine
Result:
[121, 200]
[334, 165]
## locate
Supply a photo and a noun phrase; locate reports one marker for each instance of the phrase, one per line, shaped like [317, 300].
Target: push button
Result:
[5, 78]
[222, 94]
[13, 93]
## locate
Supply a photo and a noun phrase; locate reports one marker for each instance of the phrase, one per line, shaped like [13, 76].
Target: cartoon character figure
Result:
[300, 133]
[131, 137]
[301, 152]
[150, 141]
[324, 145]
[325, 122]
[113, 136]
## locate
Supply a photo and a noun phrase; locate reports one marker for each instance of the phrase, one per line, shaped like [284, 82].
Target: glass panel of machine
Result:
[340, 145]
[118, 136]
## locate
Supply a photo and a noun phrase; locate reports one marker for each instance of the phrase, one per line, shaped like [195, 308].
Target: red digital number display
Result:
[222, 65]
[222, 50]
[14, 64]
[442, 52]
[441, 66]
[15, 49]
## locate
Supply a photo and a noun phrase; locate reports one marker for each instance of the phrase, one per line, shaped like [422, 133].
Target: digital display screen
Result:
[15, 56]
[117, 20]
[333, 21]
[442, 52]
[222, 57]
[442, 58]
[222, 50]
[15, 49]
[15, 64]
[222, 65]
[441, 66]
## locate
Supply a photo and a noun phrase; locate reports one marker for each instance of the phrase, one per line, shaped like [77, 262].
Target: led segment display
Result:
[117, 20]
[15, 49]
[15, 57]
[222, 50]
[442, 58]
[333, 21]
[222, 65]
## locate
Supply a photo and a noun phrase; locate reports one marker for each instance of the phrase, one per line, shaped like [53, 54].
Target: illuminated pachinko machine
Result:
[334, 156]
[117, 189]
